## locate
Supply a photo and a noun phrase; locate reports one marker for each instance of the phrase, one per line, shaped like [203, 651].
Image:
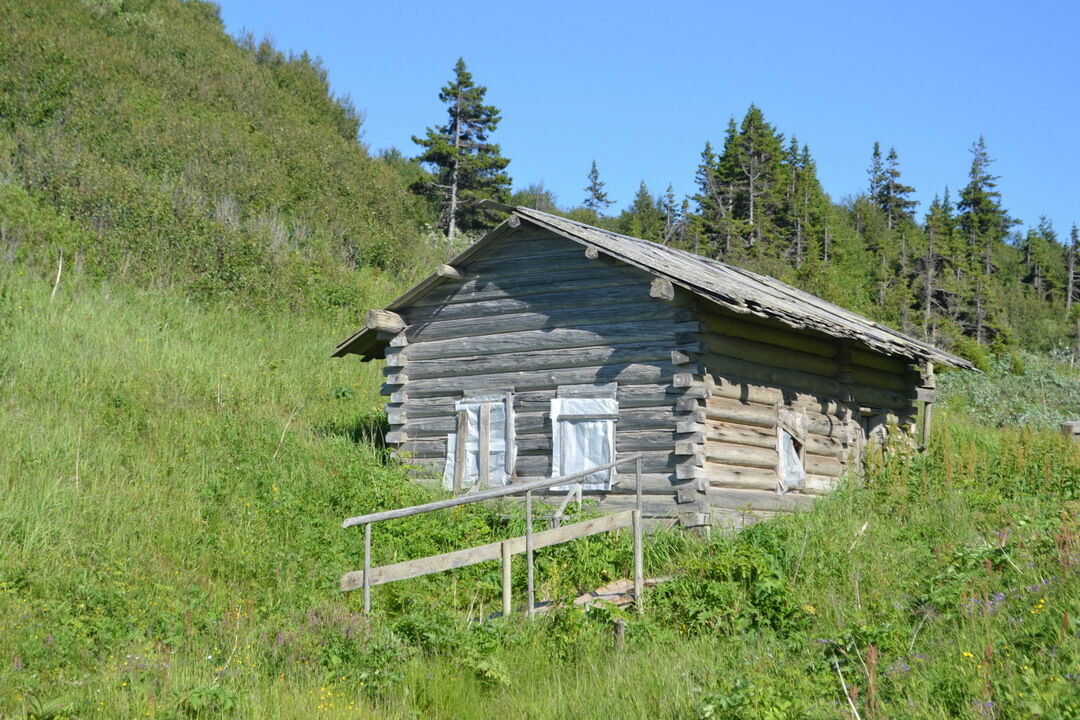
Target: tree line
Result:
[959, 274]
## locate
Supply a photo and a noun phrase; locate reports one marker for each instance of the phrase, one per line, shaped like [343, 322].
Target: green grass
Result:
[174, 474]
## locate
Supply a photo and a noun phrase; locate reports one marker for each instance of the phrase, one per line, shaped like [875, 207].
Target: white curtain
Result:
[583, 437]
[792, 473]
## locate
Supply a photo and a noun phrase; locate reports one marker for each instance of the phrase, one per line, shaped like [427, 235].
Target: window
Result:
[481, 450]
[790, 470]
[790, 451]
[583, 435]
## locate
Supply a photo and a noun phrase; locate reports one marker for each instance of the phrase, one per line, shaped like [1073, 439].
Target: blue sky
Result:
[640, 87]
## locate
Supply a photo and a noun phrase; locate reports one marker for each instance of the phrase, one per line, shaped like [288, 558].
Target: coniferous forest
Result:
[189, 221]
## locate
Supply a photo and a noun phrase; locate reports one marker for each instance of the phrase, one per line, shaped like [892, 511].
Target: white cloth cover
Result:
[583, 436]
[792, 473]
[500, 474]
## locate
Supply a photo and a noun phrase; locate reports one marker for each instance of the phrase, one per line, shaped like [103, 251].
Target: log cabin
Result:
[550, 347]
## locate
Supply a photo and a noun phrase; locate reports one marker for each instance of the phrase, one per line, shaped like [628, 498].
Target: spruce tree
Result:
[985, 223]
[892, 195]
[644, 218]
[466, 165]
[596, 199]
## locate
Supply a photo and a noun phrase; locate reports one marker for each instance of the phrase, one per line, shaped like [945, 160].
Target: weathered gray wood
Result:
[507, 559]
[654, 462]
[767, 374]
[740, 413]
[876, 397]
[880, 379]
[745, 455]
[628, 396]
[653, 485]
[449, 272]
[542, 360]
[748, 328]
[630, 373]
[620, 333]
[639, 562]
[877, 361]
[483, 553]
[493, 286]
[480, 496]
[575, 317]
[384, 321]
[737, 499]
[720, 431]
[648, 418]
[662, 289]
[557, 299]
[772, 355]
[462, 430]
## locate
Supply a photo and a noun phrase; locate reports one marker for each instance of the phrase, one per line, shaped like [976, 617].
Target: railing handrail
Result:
[489, 494]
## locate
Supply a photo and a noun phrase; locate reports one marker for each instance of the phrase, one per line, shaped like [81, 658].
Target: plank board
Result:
[483, 553]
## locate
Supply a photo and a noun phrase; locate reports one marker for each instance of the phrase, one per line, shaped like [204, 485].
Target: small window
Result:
[790, 469]
[583, 437]
[481, 450]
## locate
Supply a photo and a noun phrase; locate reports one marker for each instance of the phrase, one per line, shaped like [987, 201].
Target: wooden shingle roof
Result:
[729, 287]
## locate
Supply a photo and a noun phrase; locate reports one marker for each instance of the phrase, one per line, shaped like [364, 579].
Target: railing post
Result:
[367, 569]
[637, 482]
[639, 565]
[529, 552]
[506, 559]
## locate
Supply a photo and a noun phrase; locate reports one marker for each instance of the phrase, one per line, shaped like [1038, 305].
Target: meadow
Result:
[174, 473]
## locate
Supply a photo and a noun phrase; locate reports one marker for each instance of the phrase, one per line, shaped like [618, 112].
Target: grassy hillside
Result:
[143, 143]
[174, 475]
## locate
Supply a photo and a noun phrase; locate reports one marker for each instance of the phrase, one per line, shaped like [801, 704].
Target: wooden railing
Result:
[369, 577]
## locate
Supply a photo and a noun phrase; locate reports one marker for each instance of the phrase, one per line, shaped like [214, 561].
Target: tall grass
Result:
[173, 476]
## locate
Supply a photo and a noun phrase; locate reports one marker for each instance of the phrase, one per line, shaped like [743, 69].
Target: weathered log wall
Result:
[534, 314]
[701, 391]
[758, 372]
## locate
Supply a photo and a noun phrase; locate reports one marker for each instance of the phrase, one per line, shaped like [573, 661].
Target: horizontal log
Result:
[878, 361]
[766, 374]
[876, 397]
[726, 519]
[658, 462]
[748, 391]
[556, 299]
[608, 333]
[384, 321]
[822, 465]
[574, 317]
[631, 373]
[739, 476]
[769, 334]
[647, 418]
[483, 553]
[528, 264]
[772, 355]
[741, 413]
[493, 286]
[744, 455]
[880, 379]
[625, 441]
[738, 499]
[530, 242]
[653, 507]
[628, 396]
[725, 432]
[542, 360]
[654, 486]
